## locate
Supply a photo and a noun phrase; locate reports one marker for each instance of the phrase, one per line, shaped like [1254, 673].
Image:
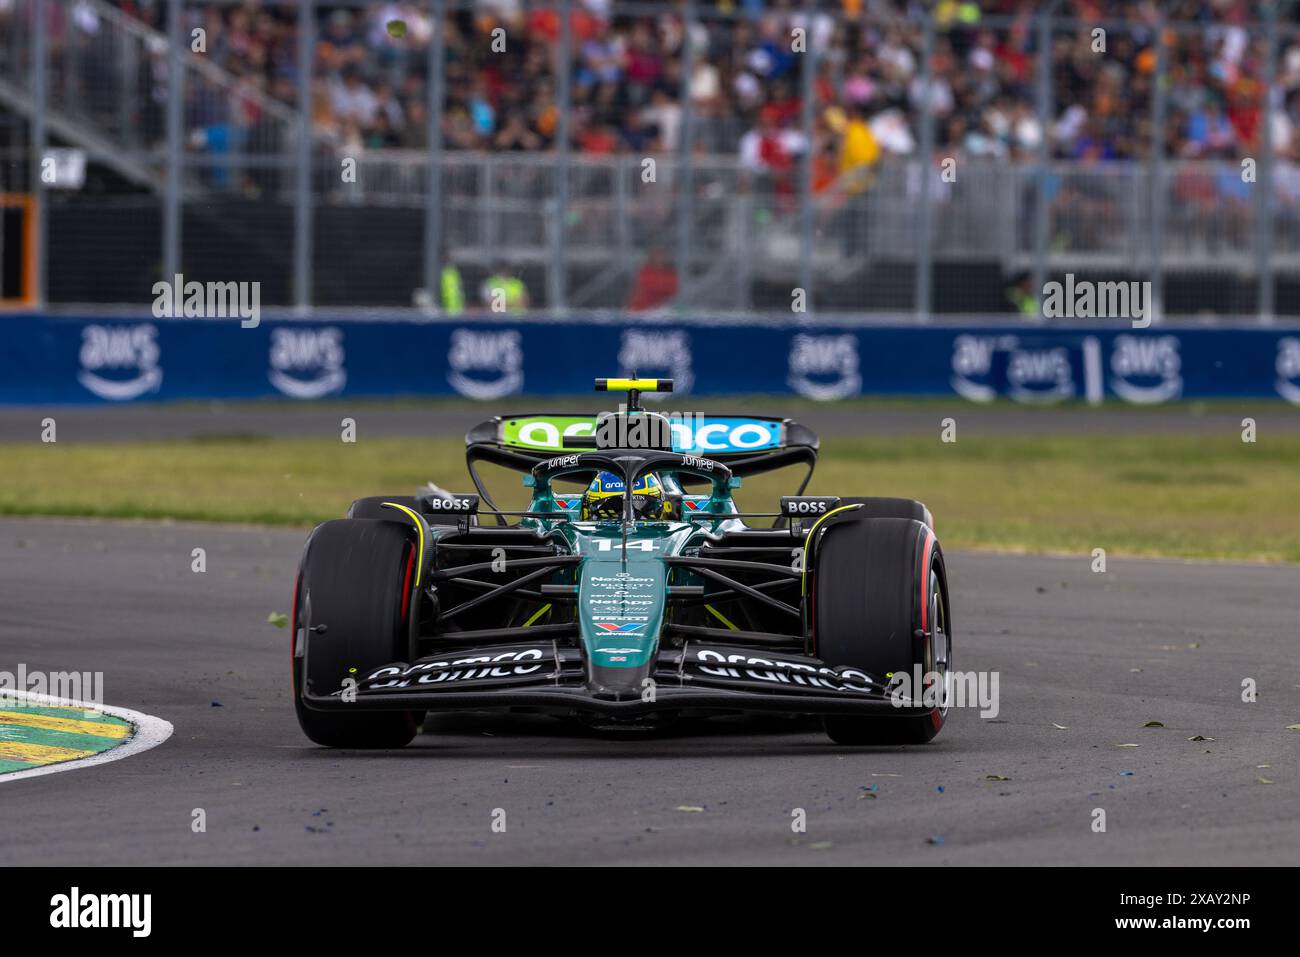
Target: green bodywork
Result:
[621, 589]
[623, 581]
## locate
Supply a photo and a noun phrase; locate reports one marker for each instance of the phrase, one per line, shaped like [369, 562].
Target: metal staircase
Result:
[106, 87]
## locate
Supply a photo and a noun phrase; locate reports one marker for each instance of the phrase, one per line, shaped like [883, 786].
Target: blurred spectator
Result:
[859, 152]
[503, 288]
[451, 292]
[351, 100]
[655, 285]
[664, 115]
[771, 150]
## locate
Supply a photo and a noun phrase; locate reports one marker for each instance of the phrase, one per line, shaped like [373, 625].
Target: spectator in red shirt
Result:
[655, 285]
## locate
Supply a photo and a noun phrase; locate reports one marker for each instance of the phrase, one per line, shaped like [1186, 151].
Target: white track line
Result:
[149, 733]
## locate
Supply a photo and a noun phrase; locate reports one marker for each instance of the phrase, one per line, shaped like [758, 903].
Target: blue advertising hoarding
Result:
[73, 360]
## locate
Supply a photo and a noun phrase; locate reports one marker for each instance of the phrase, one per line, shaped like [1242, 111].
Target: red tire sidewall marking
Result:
[406, 583]
[927, 555]
[293, 629]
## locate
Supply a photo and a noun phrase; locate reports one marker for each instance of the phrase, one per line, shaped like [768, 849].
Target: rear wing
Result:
[748, 444]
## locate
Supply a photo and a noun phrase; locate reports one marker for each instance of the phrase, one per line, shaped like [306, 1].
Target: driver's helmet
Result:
[603, 500]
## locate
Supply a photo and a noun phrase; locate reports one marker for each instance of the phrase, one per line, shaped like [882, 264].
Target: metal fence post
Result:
[302, 219]
[924, 252]
[39, 79]
[682, 172]
[487, 214]
[1043, 106]
[807, 111]
[128, 73]
[556, 292]
[171, 237]
[622, 206]
[1264, 296]
[745, 263]
[1156, 184]
[433, 240]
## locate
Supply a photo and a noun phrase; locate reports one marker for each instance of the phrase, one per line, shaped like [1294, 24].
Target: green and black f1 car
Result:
[631, 590]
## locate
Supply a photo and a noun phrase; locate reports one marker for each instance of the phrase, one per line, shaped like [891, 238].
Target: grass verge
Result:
[1195, 496]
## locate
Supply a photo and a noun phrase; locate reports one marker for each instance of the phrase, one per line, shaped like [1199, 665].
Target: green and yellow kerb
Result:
[34, 736]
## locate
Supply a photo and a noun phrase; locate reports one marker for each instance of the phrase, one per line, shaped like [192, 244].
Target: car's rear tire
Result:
[883, 507]
[353, 592]
[880, 603]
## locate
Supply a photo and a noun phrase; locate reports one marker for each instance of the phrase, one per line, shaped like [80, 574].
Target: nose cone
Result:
[619, 684]
[620, 610]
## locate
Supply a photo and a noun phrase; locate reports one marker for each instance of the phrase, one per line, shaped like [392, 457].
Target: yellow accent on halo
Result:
[721, 617]
[626, 385]
[540, 612]
[419, 529]
[45, 722]
[803, 572]
[38, 753]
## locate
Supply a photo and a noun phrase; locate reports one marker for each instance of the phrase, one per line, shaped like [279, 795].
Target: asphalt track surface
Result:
[1099, 654]
[150, 422]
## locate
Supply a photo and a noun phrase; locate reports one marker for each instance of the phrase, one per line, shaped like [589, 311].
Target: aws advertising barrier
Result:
[46, 360]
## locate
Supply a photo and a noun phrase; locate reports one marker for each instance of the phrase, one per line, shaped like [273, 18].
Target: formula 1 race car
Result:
[630, 591]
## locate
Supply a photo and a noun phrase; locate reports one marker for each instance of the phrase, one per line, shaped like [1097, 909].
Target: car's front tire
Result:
[352, 605]
[880, 604]
[883, 507]
[372, 506]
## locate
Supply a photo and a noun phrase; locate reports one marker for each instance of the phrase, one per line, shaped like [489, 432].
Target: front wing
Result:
[544, 676]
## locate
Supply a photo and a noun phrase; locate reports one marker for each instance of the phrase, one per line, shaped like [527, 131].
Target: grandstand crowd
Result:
[626, 73]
